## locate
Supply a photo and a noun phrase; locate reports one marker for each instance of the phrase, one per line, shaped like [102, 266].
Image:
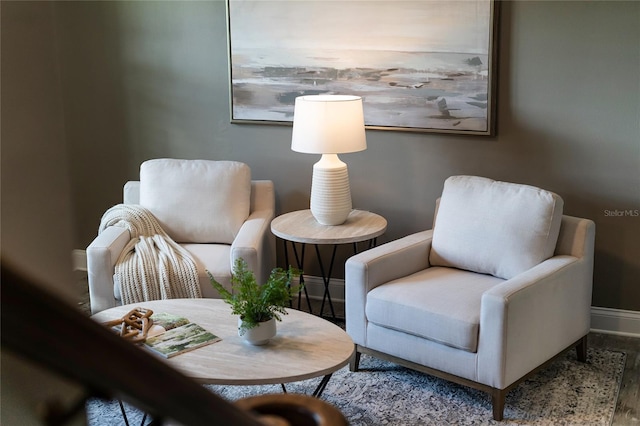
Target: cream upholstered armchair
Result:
[500, 285]
[211, 208]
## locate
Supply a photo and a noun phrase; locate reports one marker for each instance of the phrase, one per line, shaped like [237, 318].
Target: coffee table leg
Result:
[318, 392]
[126, 420]
[323, 384]
[124, 413]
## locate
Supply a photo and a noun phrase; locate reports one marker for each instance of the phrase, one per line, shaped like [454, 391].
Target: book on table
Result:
[172, 335]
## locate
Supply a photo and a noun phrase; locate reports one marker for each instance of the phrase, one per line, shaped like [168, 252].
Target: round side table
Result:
[301, 227]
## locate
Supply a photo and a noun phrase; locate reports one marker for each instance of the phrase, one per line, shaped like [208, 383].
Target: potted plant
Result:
[258, 306]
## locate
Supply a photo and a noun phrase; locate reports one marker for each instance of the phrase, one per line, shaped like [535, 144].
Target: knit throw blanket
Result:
[152, 266]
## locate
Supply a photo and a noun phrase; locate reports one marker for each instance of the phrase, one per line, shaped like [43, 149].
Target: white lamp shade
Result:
[328, 124]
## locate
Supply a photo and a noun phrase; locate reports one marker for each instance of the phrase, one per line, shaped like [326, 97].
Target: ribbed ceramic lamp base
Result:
[330, 194]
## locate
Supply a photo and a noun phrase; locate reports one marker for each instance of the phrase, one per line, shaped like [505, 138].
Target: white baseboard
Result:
[315, 288]
[79, 260]
[603, 320]
[615, 321]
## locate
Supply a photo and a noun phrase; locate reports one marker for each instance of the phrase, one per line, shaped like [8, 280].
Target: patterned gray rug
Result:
[566, 393]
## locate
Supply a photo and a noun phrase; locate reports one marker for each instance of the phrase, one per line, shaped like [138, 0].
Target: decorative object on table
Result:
[180, 339]
[256, 303]
[134, 326]
[164, 321]
[431, 67]
[329, 125]
[260, 334]
[165, 334]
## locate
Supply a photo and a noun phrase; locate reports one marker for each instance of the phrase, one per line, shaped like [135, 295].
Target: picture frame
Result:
[420, 66]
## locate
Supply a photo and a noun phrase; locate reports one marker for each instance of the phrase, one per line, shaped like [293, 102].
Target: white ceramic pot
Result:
[260, 334]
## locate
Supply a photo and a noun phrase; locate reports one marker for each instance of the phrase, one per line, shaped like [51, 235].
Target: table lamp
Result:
[329, 125]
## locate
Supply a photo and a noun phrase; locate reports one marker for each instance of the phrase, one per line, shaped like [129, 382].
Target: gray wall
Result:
[143, 80]
[36, 203]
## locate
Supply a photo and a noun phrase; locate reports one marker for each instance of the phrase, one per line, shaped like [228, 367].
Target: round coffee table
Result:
[305, 347]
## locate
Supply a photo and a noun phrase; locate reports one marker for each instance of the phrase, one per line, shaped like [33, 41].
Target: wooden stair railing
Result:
[39, 326]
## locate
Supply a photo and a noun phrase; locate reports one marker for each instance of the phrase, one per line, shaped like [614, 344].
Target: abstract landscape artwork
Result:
[420, 65]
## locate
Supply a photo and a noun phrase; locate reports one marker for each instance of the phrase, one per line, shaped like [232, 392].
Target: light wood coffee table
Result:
[305, 347]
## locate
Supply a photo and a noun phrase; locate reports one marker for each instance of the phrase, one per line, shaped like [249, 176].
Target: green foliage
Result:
[257, 303]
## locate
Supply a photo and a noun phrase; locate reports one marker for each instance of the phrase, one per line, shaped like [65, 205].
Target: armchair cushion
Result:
[438, 304]
[493, 227]
[197, 201]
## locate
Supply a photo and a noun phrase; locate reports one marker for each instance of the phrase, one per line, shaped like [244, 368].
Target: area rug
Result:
[568, 392]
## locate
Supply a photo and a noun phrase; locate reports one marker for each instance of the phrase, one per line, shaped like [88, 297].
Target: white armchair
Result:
[499, 287]
[212, 208]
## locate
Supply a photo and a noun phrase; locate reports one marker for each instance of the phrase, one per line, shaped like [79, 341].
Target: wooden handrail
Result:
[41, 327]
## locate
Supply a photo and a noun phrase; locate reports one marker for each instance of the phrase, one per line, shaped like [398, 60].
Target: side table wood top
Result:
[301, 227]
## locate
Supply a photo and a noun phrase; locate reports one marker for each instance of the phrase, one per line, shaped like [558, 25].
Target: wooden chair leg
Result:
[497, 400]
[581, 349]
[354, 362]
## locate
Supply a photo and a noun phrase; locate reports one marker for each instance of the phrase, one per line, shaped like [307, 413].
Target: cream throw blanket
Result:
[152, 266]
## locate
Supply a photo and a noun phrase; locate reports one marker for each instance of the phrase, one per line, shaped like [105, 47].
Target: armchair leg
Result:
[354, 362]
[497, 400]
[581, 349]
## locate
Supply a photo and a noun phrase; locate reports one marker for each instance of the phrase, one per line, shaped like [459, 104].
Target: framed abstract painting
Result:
[421, 66]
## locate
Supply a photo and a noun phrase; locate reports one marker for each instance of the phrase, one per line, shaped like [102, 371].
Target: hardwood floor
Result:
[628, 405]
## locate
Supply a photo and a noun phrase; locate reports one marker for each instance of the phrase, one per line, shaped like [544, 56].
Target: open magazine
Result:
[171, 335]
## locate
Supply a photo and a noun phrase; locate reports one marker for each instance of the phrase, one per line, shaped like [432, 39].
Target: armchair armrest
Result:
[371, 268]
[255, 243]
[102, 254]
[532, 317]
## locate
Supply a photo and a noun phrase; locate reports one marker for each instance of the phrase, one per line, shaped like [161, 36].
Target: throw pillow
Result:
[197, 201]
[494, 227]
